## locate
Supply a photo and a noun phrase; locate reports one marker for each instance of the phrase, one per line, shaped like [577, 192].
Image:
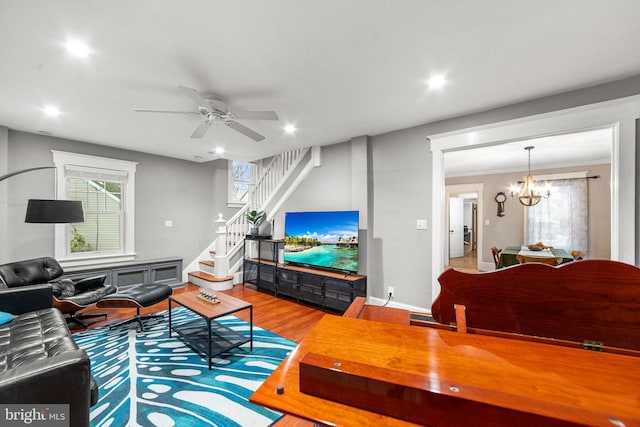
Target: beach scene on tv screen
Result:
[323, 239]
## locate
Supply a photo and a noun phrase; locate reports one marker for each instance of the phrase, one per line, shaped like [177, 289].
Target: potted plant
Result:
[254, 218]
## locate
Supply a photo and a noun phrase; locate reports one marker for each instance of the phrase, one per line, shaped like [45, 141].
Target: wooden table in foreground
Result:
[454, 379]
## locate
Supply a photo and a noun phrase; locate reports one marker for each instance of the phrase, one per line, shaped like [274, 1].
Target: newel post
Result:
[221, 265]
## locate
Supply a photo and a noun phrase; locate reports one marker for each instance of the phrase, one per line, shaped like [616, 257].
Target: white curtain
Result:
[562, 220]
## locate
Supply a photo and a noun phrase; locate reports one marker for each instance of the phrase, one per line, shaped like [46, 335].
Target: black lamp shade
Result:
[54, 211]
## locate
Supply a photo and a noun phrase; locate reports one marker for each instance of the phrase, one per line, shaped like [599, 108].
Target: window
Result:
[562, 220]
[241, 178]
[101, 230]
[106, 189]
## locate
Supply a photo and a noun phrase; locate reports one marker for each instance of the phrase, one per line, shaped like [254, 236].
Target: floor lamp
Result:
[54, 211]
[50, 211]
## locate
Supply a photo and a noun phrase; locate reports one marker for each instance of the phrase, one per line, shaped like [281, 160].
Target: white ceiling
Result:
[575, 149]
[335, 68]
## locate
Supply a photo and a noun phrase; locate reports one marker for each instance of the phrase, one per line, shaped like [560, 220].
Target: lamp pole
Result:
[9, 175]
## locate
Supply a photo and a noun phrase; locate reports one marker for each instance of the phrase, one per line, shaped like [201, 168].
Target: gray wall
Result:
[187, 193]
[328, 188]
[401, 254]
[509, 229]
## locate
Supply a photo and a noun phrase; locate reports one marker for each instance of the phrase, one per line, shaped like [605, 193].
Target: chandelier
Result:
[531, 193]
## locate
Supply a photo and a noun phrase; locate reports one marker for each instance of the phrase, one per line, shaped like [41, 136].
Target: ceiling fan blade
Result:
[148, 110]
[201, 130]
[245, 131]
[195, 95]
[256, 115]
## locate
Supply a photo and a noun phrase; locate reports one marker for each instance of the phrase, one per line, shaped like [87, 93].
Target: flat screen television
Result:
[322, 239]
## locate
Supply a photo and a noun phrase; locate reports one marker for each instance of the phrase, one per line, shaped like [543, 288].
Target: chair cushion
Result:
[90, 297]
[30, 272]
[5, 317]
[137, 296]
[90, 283]
[63, 288]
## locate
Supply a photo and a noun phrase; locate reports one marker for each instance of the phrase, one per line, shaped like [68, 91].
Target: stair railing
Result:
[237, 228]
[272, 177]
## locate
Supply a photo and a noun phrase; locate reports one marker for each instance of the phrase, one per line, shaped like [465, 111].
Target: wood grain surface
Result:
[478, 380]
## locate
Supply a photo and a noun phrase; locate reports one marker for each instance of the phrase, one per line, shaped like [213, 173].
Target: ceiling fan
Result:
[215, 110]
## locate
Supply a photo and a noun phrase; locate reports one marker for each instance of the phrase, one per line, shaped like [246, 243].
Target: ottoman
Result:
[136, 297]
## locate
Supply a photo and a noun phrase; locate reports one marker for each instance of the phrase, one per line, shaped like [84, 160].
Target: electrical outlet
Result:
[390, 291]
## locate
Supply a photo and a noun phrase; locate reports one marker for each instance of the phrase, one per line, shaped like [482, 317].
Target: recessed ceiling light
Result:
[219, 150]
[436, 82]
[77, 48]
[51, 111]
[290, 129]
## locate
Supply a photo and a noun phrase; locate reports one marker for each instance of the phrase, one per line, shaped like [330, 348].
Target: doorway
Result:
[468, 198]
[464, 257]
[621, 117]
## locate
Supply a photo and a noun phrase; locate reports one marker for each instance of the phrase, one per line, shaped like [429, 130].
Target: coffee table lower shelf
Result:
[221, 338]
[205, 335]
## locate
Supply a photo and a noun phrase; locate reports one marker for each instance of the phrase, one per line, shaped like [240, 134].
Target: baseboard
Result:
[395, 304]
[486, 266]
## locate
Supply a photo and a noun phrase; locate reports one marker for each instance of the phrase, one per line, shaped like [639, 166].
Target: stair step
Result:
[208, 266]
[209, 277]
[206, 280]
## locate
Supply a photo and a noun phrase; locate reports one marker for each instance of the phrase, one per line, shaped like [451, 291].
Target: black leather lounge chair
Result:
[68, 296]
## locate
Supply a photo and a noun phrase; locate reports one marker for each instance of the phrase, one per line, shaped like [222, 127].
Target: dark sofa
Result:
[40, 362]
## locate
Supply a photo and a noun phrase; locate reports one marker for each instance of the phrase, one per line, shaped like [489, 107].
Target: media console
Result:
[328, 290]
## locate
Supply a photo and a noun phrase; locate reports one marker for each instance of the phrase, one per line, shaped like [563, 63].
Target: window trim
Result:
[61, 159]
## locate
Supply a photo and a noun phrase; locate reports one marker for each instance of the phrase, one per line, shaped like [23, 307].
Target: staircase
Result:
[218, 266]
[206, 275]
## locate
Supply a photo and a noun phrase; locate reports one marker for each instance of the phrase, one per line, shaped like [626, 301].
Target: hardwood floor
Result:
[282, 317]
[468, 262]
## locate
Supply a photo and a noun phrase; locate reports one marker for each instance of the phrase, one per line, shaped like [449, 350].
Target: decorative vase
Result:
[254, 231]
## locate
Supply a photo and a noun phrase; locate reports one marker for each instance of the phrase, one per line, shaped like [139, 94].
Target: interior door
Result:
[456, 227]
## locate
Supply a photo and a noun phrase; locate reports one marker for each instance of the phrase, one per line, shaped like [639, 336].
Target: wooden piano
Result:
[529, 345]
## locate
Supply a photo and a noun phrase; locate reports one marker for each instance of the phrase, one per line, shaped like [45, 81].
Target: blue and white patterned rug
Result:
[151, 379]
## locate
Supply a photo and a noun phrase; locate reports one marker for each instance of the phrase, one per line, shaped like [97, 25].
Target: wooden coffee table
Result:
[206, 336]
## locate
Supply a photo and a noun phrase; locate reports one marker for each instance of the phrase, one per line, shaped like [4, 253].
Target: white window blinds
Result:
[74, 171]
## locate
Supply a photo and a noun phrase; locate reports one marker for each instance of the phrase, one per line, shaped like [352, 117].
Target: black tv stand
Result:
[331, 290]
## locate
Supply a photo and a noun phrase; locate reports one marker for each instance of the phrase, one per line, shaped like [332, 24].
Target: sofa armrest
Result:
[26, 298]
[62, 379]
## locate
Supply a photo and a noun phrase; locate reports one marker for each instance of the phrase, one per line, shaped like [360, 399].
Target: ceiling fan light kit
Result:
[215, 110]
[531, 193]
